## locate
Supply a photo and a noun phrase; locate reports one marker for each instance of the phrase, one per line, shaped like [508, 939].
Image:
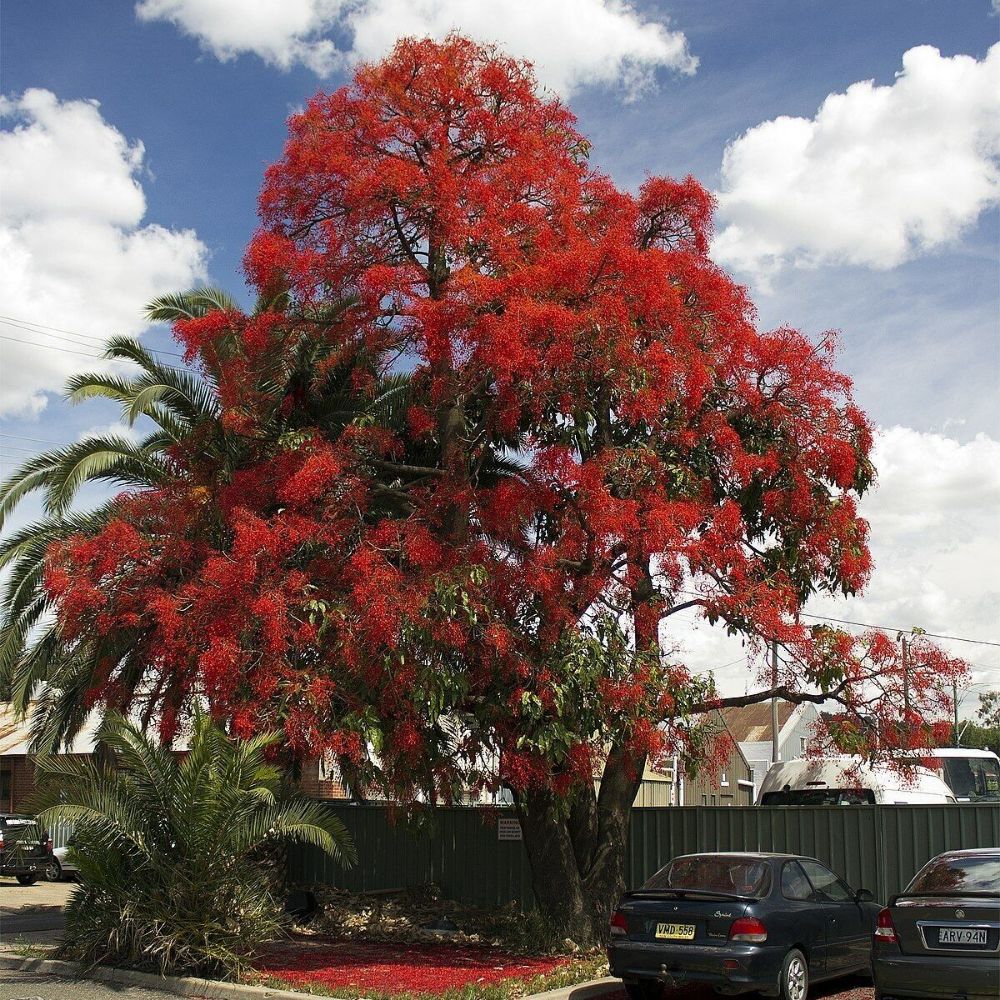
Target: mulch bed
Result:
[395, 967]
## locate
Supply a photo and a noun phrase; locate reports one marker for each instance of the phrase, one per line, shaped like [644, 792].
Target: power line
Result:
[879, 628]
[23, 437]
[79, 339]
[33, 326]
[45, 326]
[82, 354]
[891, 628]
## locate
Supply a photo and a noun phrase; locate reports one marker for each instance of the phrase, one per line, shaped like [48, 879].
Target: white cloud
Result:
[879, 175]
[928, 482]
[116, 429]
[572, 43]
[76, 254]
[935, 541]
[282, 34]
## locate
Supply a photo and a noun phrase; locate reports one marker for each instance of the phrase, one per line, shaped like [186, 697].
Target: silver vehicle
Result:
[59, 866]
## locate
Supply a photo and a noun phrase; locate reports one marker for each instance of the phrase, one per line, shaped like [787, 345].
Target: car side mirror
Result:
[864, 895]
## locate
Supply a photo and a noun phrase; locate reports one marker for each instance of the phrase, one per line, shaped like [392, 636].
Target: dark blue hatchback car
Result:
[739, 923]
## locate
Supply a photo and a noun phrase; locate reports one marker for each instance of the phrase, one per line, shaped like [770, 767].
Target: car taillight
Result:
[748, 929]
[619, 925]
[885, 930]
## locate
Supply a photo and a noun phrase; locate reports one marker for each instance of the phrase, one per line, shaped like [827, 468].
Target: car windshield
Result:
[819, 797]
[733, 876]
[974, 778]
[976, 874]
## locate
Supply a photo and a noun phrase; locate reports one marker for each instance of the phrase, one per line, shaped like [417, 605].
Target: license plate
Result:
[962, 935]
[675, 932]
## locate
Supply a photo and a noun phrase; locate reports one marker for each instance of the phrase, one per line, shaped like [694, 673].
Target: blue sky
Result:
[893, 239]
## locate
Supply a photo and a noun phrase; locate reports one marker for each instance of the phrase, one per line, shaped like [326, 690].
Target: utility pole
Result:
[954, 699]
[774, 702]
[906, 675]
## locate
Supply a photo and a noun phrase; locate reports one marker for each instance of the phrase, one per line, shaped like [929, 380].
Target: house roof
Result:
[752, 723]
[720, 717]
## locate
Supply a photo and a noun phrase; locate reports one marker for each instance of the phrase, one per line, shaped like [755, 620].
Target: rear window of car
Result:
[19, 825]
[17, 822]
[819, 797]
[970, 874]
[733, 876]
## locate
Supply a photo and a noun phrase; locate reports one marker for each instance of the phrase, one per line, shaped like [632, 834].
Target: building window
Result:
[704, 799]
[6, 786]
[724, 780]
[803, 744]
[713, 800]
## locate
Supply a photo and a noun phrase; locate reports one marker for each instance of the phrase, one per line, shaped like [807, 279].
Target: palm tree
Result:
[36, 667]
[177, 402]
[172, 850]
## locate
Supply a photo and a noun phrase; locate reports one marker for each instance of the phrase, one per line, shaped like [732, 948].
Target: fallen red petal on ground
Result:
[397, 968]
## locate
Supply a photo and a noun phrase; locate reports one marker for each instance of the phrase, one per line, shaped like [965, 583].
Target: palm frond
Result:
[109, 457]
[189, 305]
[97, 385]
[31, 476]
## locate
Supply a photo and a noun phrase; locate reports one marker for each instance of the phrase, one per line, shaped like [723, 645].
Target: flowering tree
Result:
[475, 585]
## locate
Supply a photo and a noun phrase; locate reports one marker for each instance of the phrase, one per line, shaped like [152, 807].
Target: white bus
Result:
[848, 781]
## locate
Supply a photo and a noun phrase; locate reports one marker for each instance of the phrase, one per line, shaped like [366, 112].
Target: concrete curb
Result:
[213, 989]
[582, 991]
[180, 986]
[30, 909]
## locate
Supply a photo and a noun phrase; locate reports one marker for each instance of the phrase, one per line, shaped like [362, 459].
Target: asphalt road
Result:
[12, 924]
[34, 986]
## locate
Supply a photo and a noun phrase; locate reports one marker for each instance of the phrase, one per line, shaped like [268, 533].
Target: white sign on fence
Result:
[509, 828]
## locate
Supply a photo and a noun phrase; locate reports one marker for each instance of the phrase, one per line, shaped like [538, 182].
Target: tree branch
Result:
[412, 470]
[782, 691]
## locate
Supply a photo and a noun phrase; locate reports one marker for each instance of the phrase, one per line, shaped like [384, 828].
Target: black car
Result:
[25, 849]
[941, 936]
[738, 923]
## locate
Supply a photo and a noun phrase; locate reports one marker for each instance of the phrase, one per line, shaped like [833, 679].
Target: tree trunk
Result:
[577, 850]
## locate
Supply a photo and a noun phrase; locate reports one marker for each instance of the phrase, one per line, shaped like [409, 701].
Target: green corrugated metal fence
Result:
[877, 847]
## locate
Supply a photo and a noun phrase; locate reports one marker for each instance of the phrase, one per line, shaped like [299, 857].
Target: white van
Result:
[848, 781]
[972, 775]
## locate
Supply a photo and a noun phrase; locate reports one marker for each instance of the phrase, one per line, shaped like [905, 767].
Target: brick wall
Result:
[20, 781]
[316, 785]
[17, 782]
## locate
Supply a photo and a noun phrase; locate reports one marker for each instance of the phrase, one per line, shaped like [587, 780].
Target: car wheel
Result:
[794, 981]
[27, 879]
[644, 991]
[53, 871]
